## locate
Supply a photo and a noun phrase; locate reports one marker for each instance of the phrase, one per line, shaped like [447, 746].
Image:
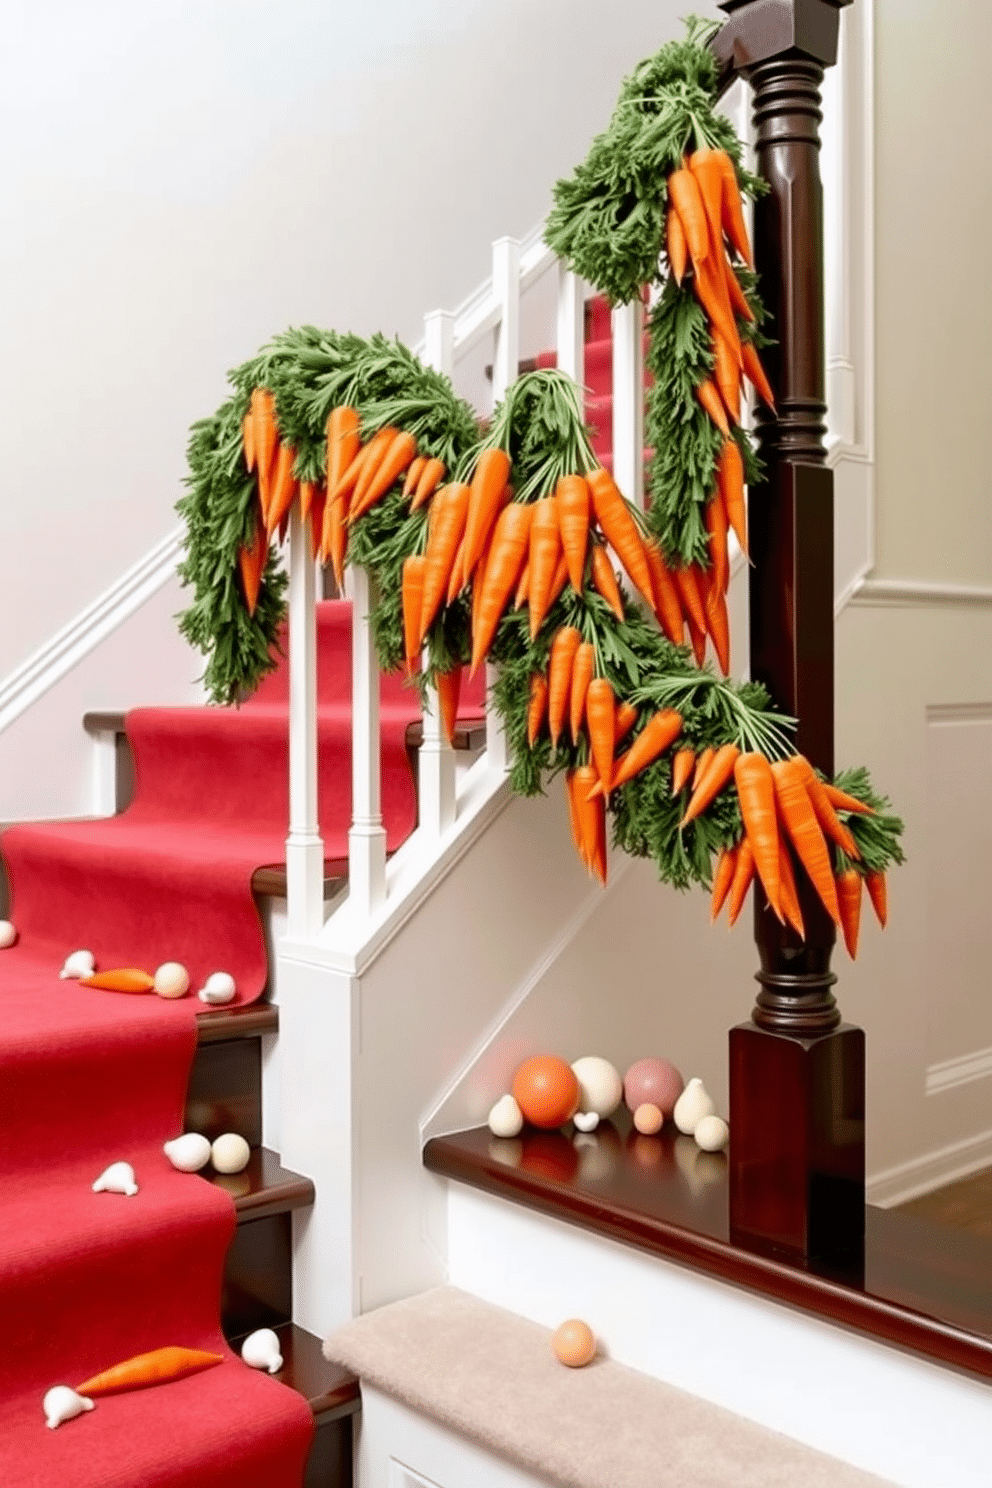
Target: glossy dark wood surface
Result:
[263, 1187]
[920, 1287]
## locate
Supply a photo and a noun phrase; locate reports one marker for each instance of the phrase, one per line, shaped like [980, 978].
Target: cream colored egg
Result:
[586, 1121]
[230, 1153]
[711, 1134]
[118, 1178]
[648, 1119]
[172, 979]
[188, 1153]
[8, 934]
[505, 1118]
[600, 1085]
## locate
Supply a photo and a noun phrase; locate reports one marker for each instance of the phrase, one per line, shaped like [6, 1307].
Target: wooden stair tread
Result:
[264, 1187]
[331, 1390]
[247, 1021]
[919, 1286]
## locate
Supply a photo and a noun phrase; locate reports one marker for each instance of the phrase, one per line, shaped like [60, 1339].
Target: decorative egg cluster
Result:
[170, 980]
[547, 1092]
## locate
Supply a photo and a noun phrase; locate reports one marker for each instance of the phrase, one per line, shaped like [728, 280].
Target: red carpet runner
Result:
[89, 1077]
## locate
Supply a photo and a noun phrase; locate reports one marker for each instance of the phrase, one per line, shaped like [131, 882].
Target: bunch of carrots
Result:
[704, 226]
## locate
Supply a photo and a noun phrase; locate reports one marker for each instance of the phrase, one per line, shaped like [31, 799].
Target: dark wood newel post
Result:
[796, 1071]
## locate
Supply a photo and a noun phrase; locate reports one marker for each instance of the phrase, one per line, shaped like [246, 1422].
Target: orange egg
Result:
[573, 1343]
[546, 1090]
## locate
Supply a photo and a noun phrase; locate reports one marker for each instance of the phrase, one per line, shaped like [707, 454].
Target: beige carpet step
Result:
[490, 1376]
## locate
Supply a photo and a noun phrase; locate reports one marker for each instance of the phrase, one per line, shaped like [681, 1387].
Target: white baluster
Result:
[436, 765]
[367, 837]
[571, 338]
[304, 846]
[103, 777]
[506, 361]
[628, 401]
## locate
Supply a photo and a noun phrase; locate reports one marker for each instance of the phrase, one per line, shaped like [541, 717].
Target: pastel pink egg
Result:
[652, 1082]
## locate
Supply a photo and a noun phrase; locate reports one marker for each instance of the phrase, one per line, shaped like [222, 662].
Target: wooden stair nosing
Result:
[330, 1390]
[247, 1021]
[264, 1187]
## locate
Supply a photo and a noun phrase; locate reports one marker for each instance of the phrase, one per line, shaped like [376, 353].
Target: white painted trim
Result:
[914, 592]
[948, 1074]
[64, 650]
[920, 1175]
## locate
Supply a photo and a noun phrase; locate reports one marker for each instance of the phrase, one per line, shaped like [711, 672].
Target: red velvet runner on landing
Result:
[90, 1077]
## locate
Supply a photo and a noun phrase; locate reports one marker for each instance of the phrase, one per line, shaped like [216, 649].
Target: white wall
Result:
[183, 180]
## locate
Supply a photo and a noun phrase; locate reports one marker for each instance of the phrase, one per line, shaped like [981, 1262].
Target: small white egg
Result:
[8, 934]
[172, 979]
[586, 1121]
[189, 1153]
[79, 964]
[692, 1105]
[261, 1350]
[506, 1118]
[118, 1178]
[230, 1153]
[600, 1085]
[712, 1133]
[218, 988]
[62, 1404]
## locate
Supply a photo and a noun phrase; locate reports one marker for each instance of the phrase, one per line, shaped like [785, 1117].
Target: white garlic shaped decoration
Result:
[78, 964]
[230, 1153]
[600, 1085]
[188, 1153]
[692, 1105]
[219, 988]
[586, 1121]
[118, 1178]
[8, 934]
[506, 1118]
[712, 1133]
[171, 980]
[261, 1350]
[62, 1404]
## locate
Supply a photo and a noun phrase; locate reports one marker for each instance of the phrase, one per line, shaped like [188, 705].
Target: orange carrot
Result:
[601, 718]
[573, 820]
[708, 396]
[626, 718]
[248, 441]
[334, 538]
[492, 472]
[121, 979]
[412, 593]
[573, 497]
[683, 764]
[283, 487]
[155, 1368]
[599, 843]
[307, 489]
[251, 561]
[583, 665]
[450, 507]
[344, 487]
[732, 209]
[703, 761]
[698, 640]
[799, 819]
[507, 555]
[756, 795]
[449, 688]
[722, 879]
[841, 801]
[377, 449]
[718, 626]
[317, 508]
[728, 376]
[263, 410]
[675, 245]
[736, 296]
[563, 648]
[708, 172]
[397, 455]
[523, 588]
[710, 285]
[587, 812]
[715, 521]
[414, 470]
[544, 547]
[431, 477]
[788, 893]
[849, 902]
[687, 584]
[343, 442]
[621, 530]
[720, 770]
[730, 477]
[661, 730]
[755, 373]
[833, 827]
[667, 605]
[878, 894]
[741, 882]
[537, 706]
[605, 580]
[684, 195]
[559, 581]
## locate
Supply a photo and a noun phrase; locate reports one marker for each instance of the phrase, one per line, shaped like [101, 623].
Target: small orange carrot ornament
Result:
[158, 1367]
[121, 979]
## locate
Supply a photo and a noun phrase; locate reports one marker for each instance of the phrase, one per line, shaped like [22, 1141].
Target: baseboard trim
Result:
[922, 1174]
[916, 592]
[950, 1073]
[64, 650]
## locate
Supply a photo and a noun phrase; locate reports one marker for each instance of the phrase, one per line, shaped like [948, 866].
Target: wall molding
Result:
[70, 645]
[948, 1074]
[920, 1175]
[917, 592]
